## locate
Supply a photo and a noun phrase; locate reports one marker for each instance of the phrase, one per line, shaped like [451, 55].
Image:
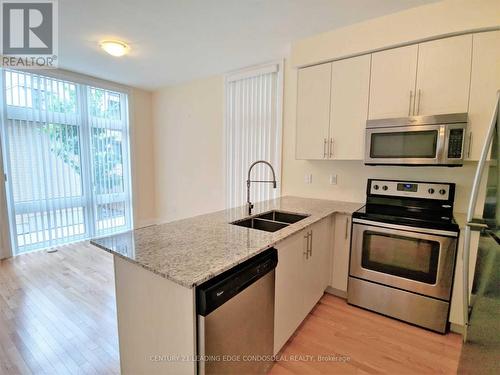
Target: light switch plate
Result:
[333, 179]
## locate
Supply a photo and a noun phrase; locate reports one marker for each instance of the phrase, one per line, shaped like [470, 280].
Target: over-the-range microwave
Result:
[437, 140]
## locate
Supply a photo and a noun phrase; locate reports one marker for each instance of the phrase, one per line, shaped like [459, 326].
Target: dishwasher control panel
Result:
[215, 292]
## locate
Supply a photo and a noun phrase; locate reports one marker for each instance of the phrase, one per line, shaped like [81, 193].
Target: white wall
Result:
[188, 119]
[142, 157]
[188, 137]
[415, 24]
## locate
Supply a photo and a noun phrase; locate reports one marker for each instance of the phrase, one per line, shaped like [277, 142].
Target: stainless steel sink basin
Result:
[266, 225]
[270, 221]
[283, 217]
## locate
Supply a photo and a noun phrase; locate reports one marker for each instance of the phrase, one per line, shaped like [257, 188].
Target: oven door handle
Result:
[436, 232]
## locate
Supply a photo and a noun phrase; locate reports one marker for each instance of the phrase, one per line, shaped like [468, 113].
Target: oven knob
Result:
[384, 187]
[442, 192]
[375, 187]
[431, 191]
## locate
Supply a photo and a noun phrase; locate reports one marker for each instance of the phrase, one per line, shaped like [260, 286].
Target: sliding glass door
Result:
[66, 158]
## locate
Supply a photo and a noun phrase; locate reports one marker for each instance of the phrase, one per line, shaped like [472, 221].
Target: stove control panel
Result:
[426, 190]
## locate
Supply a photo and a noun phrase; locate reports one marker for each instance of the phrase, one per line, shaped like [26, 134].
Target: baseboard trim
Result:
[145, 223]
[336, 292]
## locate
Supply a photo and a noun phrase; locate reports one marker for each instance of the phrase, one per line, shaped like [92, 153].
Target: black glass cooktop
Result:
[410, 216]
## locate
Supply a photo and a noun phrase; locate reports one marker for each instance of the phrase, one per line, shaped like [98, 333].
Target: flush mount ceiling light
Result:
[115, 47]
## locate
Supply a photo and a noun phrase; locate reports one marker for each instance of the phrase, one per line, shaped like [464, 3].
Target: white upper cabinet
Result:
[443, 76]
[313, 111]
[485, 81]
[334, 100]
[425, 79]
[349, 107]
[332, 105]
[392, 82]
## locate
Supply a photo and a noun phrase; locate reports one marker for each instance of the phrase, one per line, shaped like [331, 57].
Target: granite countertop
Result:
[192, 251]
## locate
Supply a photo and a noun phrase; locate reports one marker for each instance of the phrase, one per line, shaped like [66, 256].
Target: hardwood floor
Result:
[356, 341]
[58, 313]
[58, 316]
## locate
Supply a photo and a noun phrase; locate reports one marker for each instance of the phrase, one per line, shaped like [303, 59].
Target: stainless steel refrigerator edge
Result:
[481, 337]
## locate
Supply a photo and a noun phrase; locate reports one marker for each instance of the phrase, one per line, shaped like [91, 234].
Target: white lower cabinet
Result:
[289, 288]
[301, 278]
[341, 250]
[316, 264]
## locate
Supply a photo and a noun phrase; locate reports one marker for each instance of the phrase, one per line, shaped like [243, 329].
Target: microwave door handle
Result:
[441, 144]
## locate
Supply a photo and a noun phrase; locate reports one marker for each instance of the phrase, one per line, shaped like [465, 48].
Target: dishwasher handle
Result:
[217, 291]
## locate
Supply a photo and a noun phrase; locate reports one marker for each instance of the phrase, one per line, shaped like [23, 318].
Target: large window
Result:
[253, 131]
[66, 158]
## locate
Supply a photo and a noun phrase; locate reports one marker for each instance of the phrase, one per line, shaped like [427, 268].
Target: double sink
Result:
[270, 221]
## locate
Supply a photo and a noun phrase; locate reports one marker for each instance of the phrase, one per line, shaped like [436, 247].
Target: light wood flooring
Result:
[355, 341]
[58, 316]
[58, 313]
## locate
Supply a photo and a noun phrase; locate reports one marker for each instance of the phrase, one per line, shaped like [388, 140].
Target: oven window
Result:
[411, 258]
[401, 145]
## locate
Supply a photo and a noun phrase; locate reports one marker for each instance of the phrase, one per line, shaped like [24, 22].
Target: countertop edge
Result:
[297, 227]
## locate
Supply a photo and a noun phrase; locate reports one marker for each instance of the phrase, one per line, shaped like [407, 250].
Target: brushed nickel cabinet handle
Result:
[306, 251]
[346, 227]
[324, 148]
[409, 104]
[331, 147]
[418, 103]
[311, 243]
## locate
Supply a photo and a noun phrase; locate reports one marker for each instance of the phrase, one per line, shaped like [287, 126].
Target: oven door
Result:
[416, 145]
[395, 255]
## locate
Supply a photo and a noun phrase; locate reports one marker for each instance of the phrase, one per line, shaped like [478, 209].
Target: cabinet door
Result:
[485, 81]
[289, 288]
[313, 111]
[392, 82]
[349, 107]
[443, 76]
[341, 251]
[316, 264]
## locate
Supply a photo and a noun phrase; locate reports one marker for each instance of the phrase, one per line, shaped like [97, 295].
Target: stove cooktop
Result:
[388, 214]
[412, 203]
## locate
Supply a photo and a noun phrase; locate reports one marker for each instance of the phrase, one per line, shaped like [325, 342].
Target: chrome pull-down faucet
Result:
[273, 181]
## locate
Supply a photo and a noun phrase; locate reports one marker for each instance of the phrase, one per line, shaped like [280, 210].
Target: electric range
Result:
[403, 251]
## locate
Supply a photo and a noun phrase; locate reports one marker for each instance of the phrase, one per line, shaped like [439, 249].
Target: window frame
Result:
[89, 200]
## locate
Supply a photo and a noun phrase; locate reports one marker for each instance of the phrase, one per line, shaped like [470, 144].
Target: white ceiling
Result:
[174, 41]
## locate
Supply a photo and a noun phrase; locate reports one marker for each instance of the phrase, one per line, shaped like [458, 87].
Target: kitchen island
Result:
[158, 268]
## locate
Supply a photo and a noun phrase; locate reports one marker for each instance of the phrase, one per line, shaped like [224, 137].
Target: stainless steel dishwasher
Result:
[236, 318]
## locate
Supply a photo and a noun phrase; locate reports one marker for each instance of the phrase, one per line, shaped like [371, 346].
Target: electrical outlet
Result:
[308, 178]
[333, 179]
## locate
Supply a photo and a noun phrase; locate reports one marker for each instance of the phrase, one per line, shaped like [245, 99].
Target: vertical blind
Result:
[253, 132]
[66, 160]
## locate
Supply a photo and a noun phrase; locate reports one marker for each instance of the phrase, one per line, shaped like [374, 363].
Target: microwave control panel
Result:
[455, 143]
